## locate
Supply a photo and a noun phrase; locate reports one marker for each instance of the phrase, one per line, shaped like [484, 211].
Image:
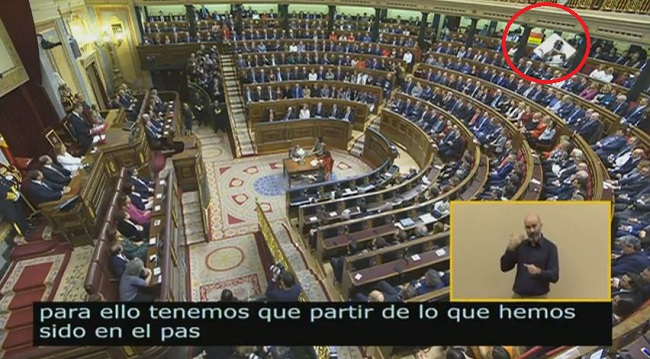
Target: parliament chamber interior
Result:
[166, 152]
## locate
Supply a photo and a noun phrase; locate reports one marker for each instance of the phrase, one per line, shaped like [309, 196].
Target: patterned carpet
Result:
[231, 259]
[71, 288]
[232, 263]
[235, 185]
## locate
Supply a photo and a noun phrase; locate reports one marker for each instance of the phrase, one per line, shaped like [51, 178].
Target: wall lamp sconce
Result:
[112, 38]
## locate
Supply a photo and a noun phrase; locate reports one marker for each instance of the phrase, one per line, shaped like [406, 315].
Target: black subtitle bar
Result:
[344, 324]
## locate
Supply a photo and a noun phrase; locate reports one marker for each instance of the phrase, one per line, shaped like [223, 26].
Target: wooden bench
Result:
[432, 250]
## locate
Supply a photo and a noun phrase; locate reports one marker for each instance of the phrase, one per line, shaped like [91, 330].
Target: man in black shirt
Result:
[536, 260]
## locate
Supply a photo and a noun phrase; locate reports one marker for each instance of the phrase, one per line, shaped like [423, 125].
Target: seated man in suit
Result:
[387, 293]
[633, 258]
[348, 115]
[451, 143]
[118, 259]
[430, 281]
[84, 133]
[610, 144]
[141, 185]
[141, 201]
[54, 172]
[501, 173]
[39, 190]
[627, 164]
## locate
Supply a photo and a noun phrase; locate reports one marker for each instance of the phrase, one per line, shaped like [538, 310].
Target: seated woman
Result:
[68, 161]
[132, 286]
[128, 228]
[129, 248]
[318, 146]
[296, 153]
[327, 162]
[137, 215]
[546, 137]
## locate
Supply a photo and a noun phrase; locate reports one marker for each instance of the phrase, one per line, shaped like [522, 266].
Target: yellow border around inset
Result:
[506, 300]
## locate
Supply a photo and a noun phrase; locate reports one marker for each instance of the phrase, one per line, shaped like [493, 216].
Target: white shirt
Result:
[313, 76]
[69, 162]
[620, 161]
[408, 57]
[597, 74]
[304, 114]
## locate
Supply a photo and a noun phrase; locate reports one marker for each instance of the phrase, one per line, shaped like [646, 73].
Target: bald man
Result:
[536, 260]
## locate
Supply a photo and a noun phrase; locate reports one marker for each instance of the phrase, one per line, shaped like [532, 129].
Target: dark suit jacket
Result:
[141, 185]
[276, 294]
[137, 201]
[62, 177]
[128, 230]
[81, 130]
[41, 194]
[118, 265]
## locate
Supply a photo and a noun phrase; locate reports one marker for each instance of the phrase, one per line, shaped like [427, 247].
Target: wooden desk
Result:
[398, 129]
[257, 111]
[78, 222]
[278, 136]
[376, 91]
[397, 268]
[292, 168]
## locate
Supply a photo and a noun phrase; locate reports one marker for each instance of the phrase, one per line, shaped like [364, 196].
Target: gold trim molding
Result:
[16, 74]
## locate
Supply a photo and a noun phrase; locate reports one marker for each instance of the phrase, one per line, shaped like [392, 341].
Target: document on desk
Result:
[427, 218]
[440, 252]
[415, 257]
[156, 223]
[313, 219]
[358, 276]
[156, 271]
[156, 208]
[535, 182]
[159, 280]
[333, 214]
[159, 196]
[152, 241]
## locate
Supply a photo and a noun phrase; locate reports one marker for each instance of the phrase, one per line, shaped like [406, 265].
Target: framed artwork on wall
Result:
[53, 139]
[12, 72]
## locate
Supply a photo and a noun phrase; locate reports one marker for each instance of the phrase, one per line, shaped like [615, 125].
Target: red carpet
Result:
[29, 280]
[36, 245]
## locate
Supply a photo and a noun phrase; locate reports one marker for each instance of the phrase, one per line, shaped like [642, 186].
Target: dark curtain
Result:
[26, 113]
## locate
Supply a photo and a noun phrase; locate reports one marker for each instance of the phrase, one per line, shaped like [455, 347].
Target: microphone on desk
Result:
[405, 256]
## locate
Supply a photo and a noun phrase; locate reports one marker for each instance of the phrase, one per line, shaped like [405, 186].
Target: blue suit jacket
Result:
[635, 263]
[612, 143]
[503, 171]
[40, 194]
[588, 129]
[118, 265]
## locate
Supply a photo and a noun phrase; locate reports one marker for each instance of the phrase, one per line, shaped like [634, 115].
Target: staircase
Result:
[192, 218]
[241, 133]
[357, 145]
[310, 282]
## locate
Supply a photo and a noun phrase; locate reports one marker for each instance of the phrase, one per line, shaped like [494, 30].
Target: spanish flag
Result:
[535, 38]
